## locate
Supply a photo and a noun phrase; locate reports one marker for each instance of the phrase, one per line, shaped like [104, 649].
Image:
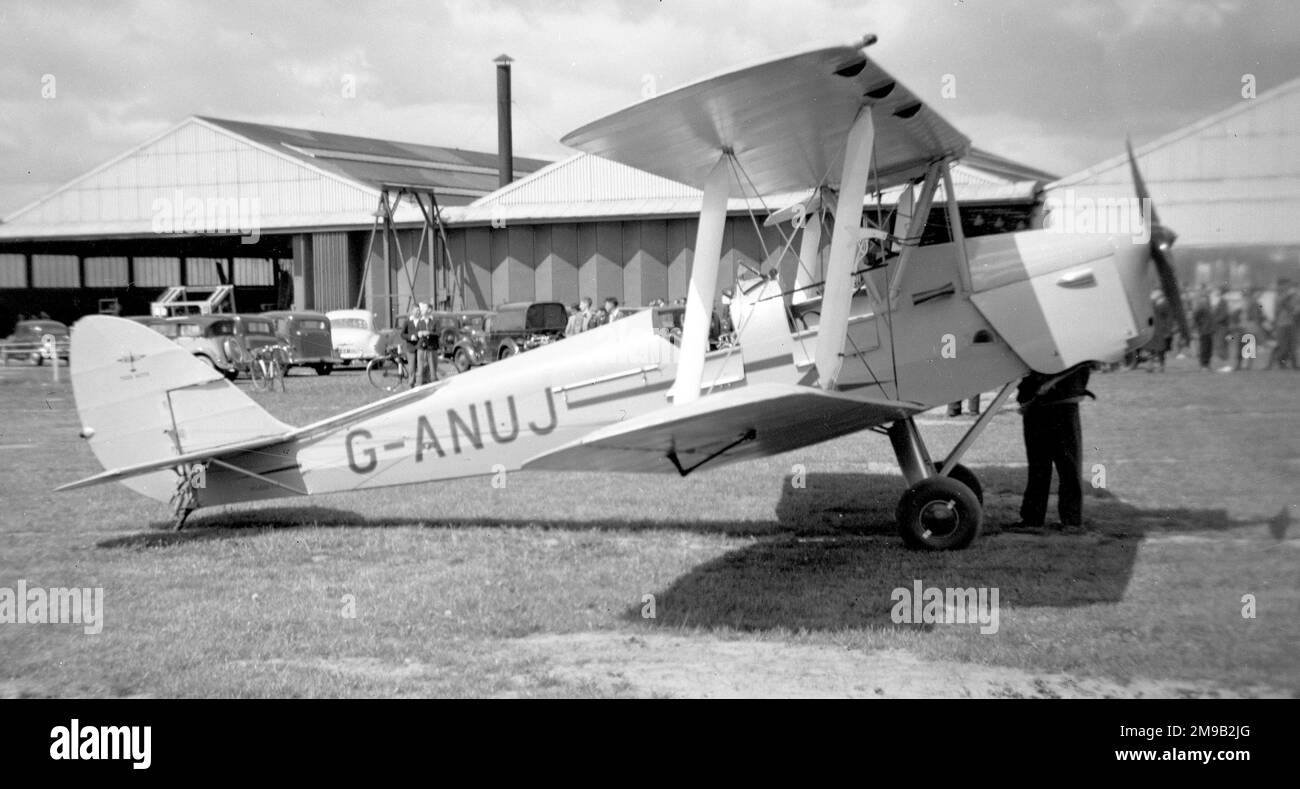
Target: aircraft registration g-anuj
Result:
[857, 344]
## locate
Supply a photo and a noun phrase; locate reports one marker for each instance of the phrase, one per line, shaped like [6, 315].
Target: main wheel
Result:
[939, 514]
[324, 368]
[507, 349]
[966, 477]
[387, 373]
[462, 360]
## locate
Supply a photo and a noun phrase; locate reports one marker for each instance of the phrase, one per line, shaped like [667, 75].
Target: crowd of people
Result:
[1233, 334]
[582, 317]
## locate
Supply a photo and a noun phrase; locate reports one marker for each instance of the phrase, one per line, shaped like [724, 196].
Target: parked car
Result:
[163, 326]
[509, 329]
[214, 339]
[356, 338]
[28, 341]
[311, 343]
[462, 337]
[524, 325]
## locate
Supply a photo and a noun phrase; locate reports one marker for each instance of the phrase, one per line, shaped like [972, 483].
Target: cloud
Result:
[1055, 84]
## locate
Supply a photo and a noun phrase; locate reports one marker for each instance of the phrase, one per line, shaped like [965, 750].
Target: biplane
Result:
[876, 329]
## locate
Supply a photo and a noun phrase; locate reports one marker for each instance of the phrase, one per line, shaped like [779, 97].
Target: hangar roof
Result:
[376, 163]
[215, 176]
[1229, 180]
[590, 187]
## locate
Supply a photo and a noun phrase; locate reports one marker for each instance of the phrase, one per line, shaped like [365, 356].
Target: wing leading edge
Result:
[786, 120]
[755, 421]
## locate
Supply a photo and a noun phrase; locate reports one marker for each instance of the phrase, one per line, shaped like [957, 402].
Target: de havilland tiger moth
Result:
[877, 328]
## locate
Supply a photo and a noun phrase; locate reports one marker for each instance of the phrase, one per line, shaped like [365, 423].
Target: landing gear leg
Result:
[936, 512]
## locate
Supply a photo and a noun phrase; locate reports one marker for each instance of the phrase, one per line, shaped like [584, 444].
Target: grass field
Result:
[768, 578]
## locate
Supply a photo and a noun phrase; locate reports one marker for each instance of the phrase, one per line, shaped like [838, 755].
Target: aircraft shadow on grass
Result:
[830, 558]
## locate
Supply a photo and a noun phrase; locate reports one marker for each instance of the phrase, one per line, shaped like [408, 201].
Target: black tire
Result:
[462, 360]
[966, 477]
[939, 514]
[231, 374]
[206, 360]
[324, 369]
[507, 349]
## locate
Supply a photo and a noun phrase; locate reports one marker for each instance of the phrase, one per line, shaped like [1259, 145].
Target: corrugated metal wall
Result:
[55, 271]
[13, 271]
[634, 261]
[335, 282]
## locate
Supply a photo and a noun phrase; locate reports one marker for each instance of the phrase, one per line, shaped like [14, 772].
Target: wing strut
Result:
[704, 283]
[748, 435]
[838, 290]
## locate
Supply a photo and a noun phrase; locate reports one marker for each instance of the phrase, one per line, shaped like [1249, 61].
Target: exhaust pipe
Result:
[505, 147]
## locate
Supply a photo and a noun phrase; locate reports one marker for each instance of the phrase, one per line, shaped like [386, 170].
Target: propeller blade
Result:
[1140, 184]
[1162, 240]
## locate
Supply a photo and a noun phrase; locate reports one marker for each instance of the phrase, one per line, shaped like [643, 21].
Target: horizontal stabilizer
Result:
[754, 421]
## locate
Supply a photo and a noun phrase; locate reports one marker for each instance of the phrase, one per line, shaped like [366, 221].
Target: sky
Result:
[1055, 85]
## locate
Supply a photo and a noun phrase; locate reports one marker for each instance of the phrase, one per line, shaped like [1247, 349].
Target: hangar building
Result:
[1228, 185]
[280, 214]
[312, 220]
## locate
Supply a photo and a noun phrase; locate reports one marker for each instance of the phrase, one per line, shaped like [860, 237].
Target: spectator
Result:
[973, 405]
[1285, 313]
[612, 312]
[584, 306]
[1203, 322]
[1222, 324]
[406, 332]
[426, 342]
[1163, 337]
[576, 322]
[1250, 329]
[599, 318]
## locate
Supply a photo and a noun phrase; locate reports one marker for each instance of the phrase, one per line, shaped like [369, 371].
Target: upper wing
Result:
[786, 120]
[754, 421]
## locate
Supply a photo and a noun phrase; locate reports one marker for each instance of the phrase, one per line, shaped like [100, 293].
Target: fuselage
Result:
[1036, 299]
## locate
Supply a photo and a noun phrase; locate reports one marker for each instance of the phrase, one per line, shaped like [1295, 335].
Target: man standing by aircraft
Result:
[410, 342]
[426, 340]
[1053, 437]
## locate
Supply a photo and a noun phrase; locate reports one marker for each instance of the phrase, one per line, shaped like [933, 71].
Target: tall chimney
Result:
[505, 147]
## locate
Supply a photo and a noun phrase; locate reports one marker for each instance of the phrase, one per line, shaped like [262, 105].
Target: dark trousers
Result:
[423, 372]
[1205, 349]
[1053, 437]
[1283, 355]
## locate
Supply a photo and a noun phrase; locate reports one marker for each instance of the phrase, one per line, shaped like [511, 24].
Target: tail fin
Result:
[142, 398]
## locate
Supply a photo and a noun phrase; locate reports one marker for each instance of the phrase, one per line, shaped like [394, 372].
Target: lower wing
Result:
[755, 421]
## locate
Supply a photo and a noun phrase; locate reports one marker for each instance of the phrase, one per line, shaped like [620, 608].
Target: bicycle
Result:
[267, 367]
[389, 372]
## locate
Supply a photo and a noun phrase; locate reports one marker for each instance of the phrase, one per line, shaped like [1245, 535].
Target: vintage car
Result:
[510, 329]
[310, 341]
[163, 326]
[462, 337]
[214, 339]
[356, 338]
[31, 339]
